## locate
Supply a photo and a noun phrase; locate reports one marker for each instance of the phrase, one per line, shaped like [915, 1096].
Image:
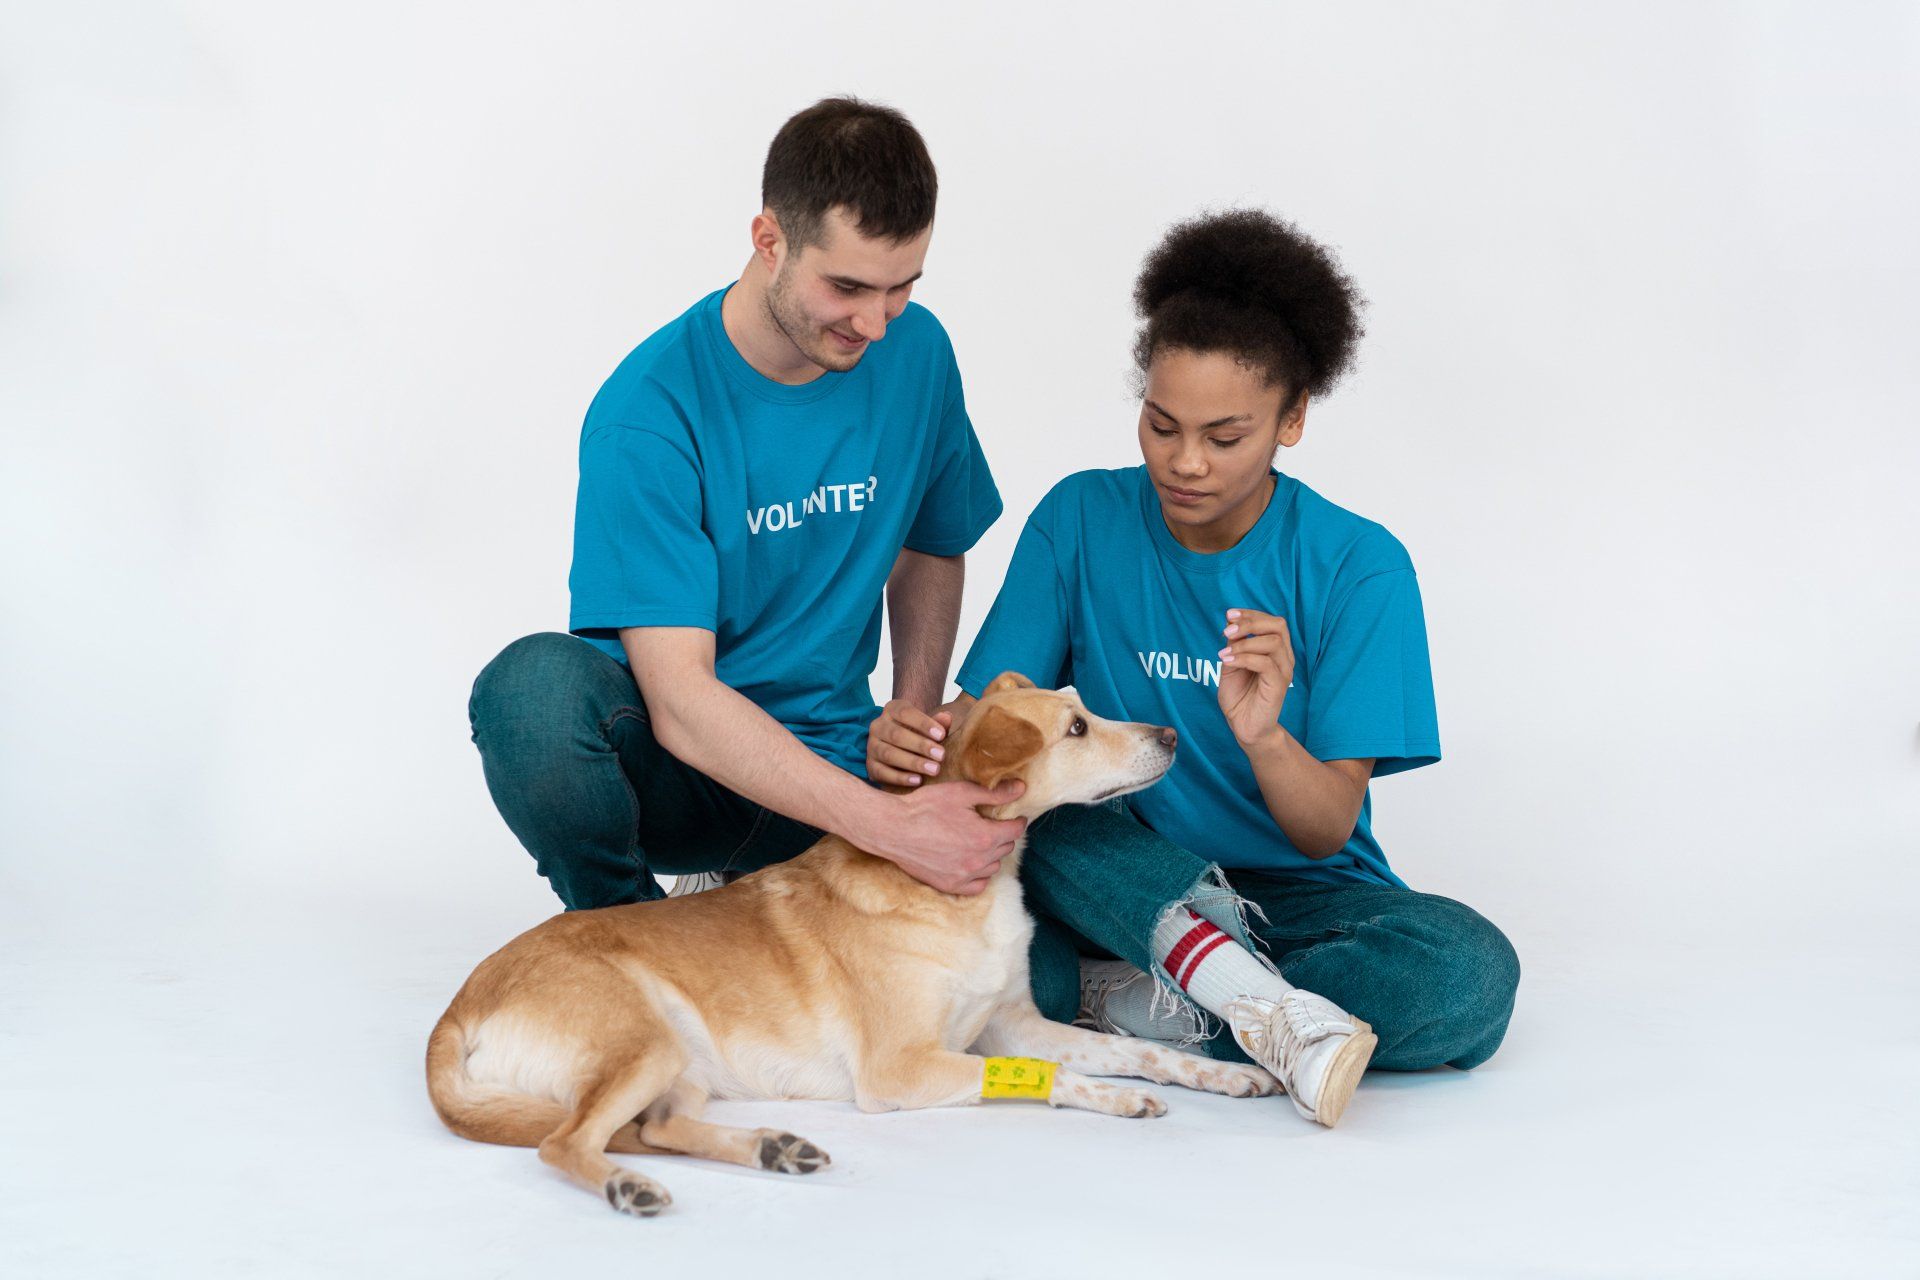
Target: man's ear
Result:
[768, 239]
[997, 744]
[1008, 680]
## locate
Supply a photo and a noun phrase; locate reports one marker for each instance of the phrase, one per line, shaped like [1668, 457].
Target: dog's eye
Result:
[1078, 729]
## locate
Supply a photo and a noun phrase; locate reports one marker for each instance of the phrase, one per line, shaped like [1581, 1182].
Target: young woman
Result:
[1282, 636]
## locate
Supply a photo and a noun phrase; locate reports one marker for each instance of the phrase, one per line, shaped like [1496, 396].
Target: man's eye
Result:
[846, 288]
[1078, 728]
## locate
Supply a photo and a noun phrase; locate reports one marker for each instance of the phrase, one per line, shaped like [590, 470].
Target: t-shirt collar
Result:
[750, 379]
[1284, 489]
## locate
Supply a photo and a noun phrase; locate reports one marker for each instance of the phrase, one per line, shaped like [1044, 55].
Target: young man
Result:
[752, 478]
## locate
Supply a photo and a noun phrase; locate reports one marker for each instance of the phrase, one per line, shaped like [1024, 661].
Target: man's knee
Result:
[538, 683]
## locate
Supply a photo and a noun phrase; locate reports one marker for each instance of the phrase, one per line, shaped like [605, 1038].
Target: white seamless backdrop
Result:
[301, 307]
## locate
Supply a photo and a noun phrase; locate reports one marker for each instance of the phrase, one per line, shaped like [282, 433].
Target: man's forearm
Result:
[725, 736]
[923, 614]
[1314, 803]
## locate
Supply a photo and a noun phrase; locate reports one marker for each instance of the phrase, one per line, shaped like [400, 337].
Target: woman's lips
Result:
[1184, 497]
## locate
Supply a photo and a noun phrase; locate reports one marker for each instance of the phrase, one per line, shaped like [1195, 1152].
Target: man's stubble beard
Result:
[794, 324]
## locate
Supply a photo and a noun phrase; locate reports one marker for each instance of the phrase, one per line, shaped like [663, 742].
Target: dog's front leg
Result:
[940, 1078]
[1018, 1028]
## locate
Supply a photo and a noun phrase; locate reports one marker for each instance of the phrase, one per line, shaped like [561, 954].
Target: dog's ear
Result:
[997, 744]
[1008, 680]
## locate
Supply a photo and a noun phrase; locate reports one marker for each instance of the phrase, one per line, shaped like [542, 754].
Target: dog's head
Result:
[1064, 753]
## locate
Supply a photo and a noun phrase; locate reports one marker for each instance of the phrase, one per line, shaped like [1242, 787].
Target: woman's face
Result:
[1209, 427]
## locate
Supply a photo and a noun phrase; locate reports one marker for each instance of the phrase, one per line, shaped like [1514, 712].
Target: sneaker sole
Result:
[1343, 1074]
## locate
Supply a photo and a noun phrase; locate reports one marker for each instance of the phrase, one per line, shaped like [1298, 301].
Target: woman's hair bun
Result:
[1248, 284]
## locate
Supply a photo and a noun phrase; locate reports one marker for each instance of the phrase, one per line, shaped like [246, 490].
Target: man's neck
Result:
[750, 327]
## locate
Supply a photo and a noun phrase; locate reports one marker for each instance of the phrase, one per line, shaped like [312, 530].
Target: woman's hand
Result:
[1255, 669]
[905, 745]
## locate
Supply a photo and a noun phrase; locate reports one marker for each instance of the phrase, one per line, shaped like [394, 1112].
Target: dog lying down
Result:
[835, 975]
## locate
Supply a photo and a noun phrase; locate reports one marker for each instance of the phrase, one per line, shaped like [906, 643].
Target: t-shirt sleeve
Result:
[640, 555]
[961, 502]
[1372, 688]
[1026, 630]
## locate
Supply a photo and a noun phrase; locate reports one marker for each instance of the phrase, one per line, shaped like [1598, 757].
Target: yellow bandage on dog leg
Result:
[1017, 1078]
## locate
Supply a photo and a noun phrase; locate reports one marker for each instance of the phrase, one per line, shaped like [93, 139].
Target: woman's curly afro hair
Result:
[1246, 284]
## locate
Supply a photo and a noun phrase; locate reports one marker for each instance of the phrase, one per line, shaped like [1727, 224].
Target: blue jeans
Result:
[1434, 977]
[574, 768]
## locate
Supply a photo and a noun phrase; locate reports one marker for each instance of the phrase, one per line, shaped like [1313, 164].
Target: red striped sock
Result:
[1207, 964]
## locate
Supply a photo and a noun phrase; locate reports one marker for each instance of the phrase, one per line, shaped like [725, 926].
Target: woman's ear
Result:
[997, 745]
[1293, 423]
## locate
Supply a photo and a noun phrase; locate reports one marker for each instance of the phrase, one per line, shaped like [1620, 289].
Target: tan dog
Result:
[835, 975]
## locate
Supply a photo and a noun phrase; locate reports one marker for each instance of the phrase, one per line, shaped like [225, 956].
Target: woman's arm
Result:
[1315, 802]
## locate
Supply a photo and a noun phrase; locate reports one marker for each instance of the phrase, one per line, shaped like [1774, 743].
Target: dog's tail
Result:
[488, 1113]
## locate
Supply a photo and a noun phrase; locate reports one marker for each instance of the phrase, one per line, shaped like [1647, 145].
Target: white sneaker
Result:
[696, 882]
[1313, 1046]
[1113, 1000]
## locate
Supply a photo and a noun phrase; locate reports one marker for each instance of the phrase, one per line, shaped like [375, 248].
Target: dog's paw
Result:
[1138, 1104]
[1237, 1081]
[630, 1193]
[785, 1153]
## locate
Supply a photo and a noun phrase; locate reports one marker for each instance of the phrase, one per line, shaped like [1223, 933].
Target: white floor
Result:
[186, 1095]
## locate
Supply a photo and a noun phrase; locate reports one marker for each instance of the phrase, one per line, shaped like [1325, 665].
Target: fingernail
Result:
[931, 767]
[1226, 652]
[937, 733]
[1233, 613]
[914, 781]
[939, 753]
[1226, 655]
[1232, 629]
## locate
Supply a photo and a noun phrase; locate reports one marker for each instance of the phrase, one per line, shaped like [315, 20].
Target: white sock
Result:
[1209, 965]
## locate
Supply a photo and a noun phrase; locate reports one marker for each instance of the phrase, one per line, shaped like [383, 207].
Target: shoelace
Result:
[1093, 1007]
[1304, 1027]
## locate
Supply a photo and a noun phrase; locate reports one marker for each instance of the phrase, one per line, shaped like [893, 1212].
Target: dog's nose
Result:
[1169, 739]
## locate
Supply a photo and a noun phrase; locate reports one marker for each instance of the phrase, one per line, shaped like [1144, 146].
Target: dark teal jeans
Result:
[574, 768]
[572, 764]
[1434, 977]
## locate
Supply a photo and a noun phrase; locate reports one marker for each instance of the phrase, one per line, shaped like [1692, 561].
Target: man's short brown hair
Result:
[864, 157]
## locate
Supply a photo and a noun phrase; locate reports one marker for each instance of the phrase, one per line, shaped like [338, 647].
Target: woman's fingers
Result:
[918, 736]
[1252, 622]
[906, 761]
[1257, 644]
[914, 720]
[888, 776]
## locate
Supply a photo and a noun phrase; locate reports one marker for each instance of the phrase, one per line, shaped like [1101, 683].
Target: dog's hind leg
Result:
[674, 1124]
[624, 1082]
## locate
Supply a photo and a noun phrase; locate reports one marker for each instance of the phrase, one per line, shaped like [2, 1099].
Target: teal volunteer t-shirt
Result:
[771, 515]
[1100, 596]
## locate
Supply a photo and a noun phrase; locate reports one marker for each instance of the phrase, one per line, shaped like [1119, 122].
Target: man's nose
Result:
[871, 325]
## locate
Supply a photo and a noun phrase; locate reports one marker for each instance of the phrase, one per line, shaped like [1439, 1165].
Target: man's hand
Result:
[905, 745]
[1255, 669]
[936, 836]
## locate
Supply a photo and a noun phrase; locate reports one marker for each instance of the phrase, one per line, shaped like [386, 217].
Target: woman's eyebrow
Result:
[1217, 422]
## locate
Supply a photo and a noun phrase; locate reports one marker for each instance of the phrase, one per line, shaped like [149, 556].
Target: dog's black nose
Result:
[1169, 739]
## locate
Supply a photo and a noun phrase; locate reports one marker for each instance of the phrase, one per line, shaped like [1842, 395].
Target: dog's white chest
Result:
[992, 970]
